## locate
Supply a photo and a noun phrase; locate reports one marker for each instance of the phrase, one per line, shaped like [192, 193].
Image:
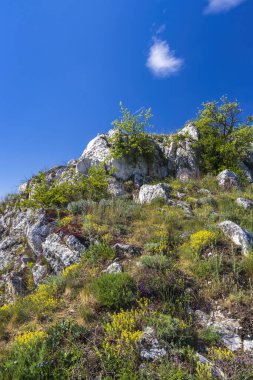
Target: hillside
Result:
[134, 261]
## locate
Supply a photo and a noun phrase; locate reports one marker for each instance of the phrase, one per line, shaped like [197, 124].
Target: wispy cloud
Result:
[162, 60]
[216, 6]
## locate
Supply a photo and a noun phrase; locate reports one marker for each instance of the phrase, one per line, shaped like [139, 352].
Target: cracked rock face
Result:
[237, 235]
[61, 253]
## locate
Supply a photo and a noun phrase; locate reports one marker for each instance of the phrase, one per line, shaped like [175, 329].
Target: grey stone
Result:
[245, 203]
[237, 235]
[148, 193]
[39, 273]
[228, 180]
[59, 255]
[116, 188]
[126, 250]
[114, 268]
[150, 348]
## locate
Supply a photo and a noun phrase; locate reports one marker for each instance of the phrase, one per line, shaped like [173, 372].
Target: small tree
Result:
[130, 139]
[224, 140]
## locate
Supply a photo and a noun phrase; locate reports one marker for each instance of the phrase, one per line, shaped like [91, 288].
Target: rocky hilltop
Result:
[155, 238]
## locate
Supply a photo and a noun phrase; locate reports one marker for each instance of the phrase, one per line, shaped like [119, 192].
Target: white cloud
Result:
[216, 6]
[162, 60]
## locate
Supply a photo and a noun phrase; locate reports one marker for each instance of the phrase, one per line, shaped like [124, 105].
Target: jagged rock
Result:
[245, 203]
[116, 188]
[237, 235]
[114, 268]
[39, 273]
[126, 250]
[148, 193]
[59, 255]
[150, 348]
[228, 180]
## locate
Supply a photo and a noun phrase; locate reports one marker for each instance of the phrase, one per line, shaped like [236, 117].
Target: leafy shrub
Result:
[115, 290]
[171, 330]
[223, 141]
[210, 336]
[160, 262]
[167, 370]
[119, 347]
[129, 139]
[26, 356]
[83, 206]
[57, 194]
[65, 221]
[98, 254]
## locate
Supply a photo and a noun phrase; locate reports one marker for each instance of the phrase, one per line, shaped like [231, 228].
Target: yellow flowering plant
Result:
[202, 238]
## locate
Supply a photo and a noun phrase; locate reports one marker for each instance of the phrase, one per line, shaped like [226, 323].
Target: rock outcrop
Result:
[175, 158]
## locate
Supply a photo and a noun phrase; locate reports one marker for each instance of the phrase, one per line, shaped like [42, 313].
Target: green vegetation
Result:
[86, 323]
[115, 290]
[43, 194]
[130, 139]
[224, 140]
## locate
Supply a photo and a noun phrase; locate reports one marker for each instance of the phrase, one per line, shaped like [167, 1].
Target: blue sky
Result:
[66, 64]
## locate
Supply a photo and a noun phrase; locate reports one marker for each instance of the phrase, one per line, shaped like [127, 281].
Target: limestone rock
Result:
[114, 268]
[237, 235]
[39, 273]
[228, 180]
[116, 188]
[150, 348]
[126, 250]
[148, 193]
[245, 203]
[59, 255]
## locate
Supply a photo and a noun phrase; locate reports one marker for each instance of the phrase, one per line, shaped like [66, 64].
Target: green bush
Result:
[210, 336]
[115, 290]
[93, 187]
[40, 355]
[160, 262]
[98, 254]
[172, 330]
[223, 140]
[130, 140]
[83, 206]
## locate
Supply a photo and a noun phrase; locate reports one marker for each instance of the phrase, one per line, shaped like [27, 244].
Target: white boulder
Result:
[237, 235]
[148, 193]
[228, 180]
[245, 203]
